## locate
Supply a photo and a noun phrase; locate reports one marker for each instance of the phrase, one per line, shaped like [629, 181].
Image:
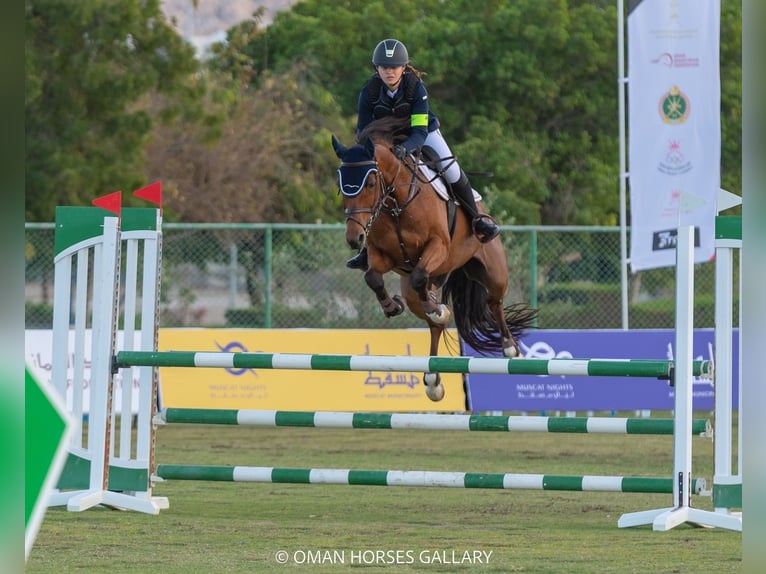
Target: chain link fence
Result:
[294, 276]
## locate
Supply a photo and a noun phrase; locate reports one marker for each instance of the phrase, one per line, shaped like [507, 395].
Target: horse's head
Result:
[358, 182]
[366, 171]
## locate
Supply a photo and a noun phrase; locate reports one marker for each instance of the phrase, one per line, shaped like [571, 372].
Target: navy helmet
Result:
[390, 53]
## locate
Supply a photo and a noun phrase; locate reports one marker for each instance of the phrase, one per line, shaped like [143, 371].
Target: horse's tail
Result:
[474, 320]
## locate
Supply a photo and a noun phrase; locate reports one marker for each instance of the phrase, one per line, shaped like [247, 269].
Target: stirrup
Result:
[358, 261]
[484, 228]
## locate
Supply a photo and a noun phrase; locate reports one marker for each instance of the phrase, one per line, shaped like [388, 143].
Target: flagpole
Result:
[621, 81]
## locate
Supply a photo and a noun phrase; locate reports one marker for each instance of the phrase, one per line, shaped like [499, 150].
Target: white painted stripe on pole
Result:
[258, 418]
[290, 361]
[391, 363]
[225, 360]
[602, 483]
[425, 478]
[523, 481]
[527, 423]
[252, 473]
[328, 476]
[487, 365]
[429, 421]
[332, 419]
[567, 367]
[607, 425]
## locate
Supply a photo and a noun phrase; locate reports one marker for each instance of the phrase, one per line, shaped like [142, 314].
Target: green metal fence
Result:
[293, 276]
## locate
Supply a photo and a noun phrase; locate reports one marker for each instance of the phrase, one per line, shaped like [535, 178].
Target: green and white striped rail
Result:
[428, 364]
[351, 420]
[421, 478]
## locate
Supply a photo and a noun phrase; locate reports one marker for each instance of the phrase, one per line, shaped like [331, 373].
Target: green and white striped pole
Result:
[420, 478]
[415, 421]
[428, 364]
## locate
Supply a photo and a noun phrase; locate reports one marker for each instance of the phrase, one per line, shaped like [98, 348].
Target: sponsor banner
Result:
[38, 346]
[577, 393]
[674, 127]
[281, 389]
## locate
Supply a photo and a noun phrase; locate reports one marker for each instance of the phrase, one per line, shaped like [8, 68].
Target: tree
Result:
[90, 67]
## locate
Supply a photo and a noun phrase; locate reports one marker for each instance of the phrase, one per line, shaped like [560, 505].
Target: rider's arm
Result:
[418, 120]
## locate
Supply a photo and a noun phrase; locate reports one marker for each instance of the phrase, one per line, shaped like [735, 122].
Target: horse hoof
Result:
[396, 307]
[441, 316]
[435, 393]
[510, 352]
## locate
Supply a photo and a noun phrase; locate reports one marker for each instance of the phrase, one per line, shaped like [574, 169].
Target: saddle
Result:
[429, 168]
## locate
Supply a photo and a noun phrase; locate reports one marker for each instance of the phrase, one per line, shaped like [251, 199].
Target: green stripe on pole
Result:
[202, 416]
[294, 419]
[371, 421]
[483, 480]
[594, 367]
[551, 482]
[250, 360]
[368, 477]
[568, 424]
[331, 362]
[291, 475]
[488, 423]
[658, 485]
[188, 472]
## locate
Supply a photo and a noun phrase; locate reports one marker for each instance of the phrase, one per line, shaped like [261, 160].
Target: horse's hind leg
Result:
[391, 306]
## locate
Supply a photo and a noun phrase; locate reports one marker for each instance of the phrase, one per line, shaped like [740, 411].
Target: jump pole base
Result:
[80, 500]
[665, 519]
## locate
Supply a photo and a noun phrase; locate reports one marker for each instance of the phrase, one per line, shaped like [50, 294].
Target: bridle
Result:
[385, 201]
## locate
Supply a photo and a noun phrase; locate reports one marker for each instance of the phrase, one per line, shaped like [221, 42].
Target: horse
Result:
[392, 207]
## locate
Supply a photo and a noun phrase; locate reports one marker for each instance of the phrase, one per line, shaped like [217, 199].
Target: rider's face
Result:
[391, 75]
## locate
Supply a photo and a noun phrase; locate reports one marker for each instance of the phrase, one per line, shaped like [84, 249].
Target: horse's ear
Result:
[339, 148]
[369, 147]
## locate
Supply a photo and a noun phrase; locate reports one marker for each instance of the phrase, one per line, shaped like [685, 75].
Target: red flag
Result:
[152, 192]
[111, 202]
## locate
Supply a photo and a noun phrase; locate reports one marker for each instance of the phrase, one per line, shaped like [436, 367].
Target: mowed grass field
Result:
[214, 527]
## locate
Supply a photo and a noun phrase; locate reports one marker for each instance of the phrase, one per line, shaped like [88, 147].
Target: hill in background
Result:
[208, 21]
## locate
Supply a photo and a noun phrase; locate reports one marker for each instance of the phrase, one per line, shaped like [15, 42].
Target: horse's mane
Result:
[389, 129]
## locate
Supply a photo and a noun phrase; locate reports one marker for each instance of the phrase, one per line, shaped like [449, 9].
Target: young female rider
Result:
[396, 89]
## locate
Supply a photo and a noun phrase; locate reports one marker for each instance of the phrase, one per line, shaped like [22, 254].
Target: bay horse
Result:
[393, 209]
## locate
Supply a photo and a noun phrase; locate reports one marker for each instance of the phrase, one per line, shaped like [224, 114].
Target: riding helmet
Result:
[390, 53]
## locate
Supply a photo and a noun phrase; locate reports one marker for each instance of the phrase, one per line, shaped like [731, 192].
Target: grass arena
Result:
[225, 491]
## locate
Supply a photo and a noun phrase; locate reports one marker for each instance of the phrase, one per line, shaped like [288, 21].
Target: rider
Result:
[396, 89]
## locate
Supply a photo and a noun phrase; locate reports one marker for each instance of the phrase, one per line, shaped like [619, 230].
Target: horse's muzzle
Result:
[355, 241]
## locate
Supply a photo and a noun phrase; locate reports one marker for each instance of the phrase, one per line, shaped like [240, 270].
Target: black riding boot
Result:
[358, 261]
[484, 226]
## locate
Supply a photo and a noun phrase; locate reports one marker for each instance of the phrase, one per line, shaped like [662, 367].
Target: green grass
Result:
[239, 527]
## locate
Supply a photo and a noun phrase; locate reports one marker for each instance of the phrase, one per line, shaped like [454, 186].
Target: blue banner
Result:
[577, 393]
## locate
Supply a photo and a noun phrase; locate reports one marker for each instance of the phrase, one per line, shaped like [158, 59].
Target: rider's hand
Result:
[399, 151]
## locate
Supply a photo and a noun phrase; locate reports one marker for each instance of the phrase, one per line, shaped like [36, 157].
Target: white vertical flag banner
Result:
[674, 127]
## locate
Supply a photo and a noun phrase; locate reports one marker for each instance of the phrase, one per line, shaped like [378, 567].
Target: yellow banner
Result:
[303, 390]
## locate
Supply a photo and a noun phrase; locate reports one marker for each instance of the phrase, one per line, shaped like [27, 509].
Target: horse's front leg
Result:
[391, 306]
[432, 381]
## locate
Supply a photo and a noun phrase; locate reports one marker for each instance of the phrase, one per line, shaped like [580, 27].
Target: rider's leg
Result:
[484, 226]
